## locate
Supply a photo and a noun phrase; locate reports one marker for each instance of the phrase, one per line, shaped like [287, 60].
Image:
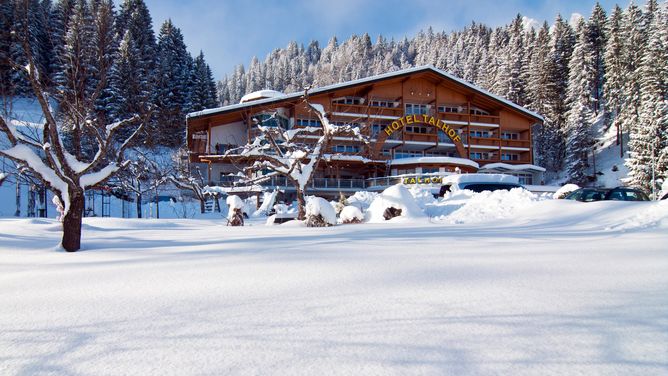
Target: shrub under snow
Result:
[236, 210]
[362, 199]
[319, 212]
[397, 197]
[351, 214]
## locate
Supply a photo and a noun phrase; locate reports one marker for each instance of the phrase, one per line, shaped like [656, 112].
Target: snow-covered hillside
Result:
[561, 288]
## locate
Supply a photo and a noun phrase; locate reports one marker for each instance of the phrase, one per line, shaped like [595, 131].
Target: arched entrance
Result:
[418, 119]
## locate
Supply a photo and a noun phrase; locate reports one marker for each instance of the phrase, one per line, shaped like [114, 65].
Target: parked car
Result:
[615, 194]
[478, 183]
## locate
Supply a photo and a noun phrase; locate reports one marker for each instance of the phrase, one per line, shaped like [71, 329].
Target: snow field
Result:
[555, 289]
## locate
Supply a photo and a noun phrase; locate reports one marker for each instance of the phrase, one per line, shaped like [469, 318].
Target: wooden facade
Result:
[438, 121]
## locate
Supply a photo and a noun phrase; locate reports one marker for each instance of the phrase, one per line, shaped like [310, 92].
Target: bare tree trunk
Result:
[157, 204]
[72, 221]
[301, 203]
[138, 204]
[202, 206]
[17, 213]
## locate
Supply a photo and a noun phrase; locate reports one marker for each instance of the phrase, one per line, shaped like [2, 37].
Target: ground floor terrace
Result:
[347, 174]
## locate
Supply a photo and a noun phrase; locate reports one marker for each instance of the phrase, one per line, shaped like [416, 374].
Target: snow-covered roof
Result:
[448, 160]
[510, 167]
[364, 81]
[261, 94]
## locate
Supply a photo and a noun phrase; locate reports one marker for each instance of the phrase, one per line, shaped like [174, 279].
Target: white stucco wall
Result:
[233, 133]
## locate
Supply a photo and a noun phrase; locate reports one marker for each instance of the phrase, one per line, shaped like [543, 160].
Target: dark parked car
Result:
[598, 194]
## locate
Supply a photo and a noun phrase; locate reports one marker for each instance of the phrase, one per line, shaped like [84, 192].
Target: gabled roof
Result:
[367, 80]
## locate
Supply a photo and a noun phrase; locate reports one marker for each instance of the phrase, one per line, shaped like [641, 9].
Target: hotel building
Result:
[420, 122]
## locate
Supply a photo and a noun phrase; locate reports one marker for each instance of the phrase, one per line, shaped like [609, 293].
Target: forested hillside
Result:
[72, 41]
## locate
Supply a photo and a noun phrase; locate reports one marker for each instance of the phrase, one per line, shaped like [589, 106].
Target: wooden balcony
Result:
[484, 141]
[516, 143]
[420, 137]
[486, 119]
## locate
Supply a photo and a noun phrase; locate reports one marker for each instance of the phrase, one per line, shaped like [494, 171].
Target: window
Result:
[345, 149]
[482, 156]
[429, 170]
[509, 157]
[416, 129]
[416, 109]
[270, 120]
[478, 111]
[450, 109]
[348, 100]
[383, 103]
[399, 154]
[308, 123]
[342, 123]
[481, 134]
[510, 135]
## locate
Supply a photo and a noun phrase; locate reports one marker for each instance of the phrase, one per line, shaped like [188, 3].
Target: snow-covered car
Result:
[478, 183]
[599, 194]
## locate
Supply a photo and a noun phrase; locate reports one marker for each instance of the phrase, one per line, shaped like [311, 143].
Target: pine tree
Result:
[634, 36]
[515, 61]
[6, 40]
[76, 79]
[596, 35]
[578, 118]
[134, 21]
[172, 91]
[615, 68]
[649, 140]
[203, 88]
[105, 54]
[545, 134]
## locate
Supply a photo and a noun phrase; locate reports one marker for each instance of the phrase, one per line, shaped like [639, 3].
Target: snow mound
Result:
[486, 206]
[566, 189]
[351, 213]
[423, 197]
[362, 199]
[396, 196]
[319, 206]
[651, 217]
[268, 200]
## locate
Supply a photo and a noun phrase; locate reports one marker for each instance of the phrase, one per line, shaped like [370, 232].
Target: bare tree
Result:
[47, 157]
[142, 175]
[194, 182]
[280, 151]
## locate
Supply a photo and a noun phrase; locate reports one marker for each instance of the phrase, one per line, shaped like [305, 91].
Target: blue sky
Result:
[231, 32]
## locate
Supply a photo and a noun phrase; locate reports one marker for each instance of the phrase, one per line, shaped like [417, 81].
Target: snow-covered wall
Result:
[233, 133]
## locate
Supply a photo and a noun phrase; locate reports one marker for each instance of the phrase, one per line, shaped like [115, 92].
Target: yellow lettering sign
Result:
[429, 120]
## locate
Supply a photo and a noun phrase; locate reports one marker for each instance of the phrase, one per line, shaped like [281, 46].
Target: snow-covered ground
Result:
[558, 288]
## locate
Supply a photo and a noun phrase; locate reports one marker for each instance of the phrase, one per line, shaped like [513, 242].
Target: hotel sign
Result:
[424, 119]
[423, 180]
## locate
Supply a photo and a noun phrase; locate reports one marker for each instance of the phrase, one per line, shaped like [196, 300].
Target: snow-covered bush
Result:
[351, 214]
[565, 190]
[397, 197]
[362, 199]
[235, 214]
[319, 212]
